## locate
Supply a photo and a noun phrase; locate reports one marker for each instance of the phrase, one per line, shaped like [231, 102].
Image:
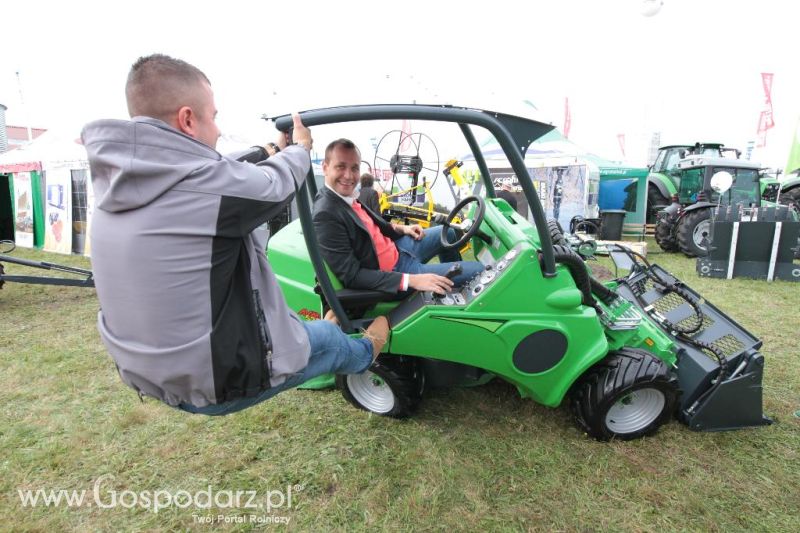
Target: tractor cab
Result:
[665, 178]
[695, 181]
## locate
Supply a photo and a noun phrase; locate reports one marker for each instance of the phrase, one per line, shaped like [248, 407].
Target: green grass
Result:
[472, 459]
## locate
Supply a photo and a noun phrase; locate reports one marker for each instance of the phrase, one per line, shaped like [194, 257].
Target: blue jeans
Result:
[414, 255]
[332, 352]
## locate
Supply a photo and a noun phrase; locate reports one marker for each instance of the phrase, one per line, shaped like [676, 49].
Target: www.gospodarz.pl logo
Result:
[103, 496]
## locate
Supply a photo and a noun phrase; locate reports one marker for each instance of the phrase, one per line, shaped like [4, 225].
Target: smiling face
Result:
[342, 170]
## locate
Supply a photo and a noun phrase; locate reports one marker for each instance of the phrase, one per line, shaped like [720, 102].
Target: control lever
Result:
[454, 270]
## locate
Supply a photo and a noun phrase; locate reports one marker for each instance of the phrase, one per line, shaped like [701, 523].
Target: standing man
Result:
[506, 193]
[190, 309]
[368, 196]
[558, 192]
[366, 252]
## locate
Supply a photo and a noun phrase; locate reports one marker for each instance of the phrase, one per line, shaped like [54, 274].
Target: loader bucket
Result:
[707, 403]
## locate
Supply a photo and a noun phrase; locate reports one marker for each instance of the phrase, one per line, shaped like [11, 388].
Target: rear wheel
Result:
[665, 236]
[391, 387]
[628, 395]
[694, 233]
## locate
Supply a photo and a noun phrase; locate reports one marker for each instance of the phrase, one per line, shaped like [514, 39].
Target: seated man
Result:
[366, 252]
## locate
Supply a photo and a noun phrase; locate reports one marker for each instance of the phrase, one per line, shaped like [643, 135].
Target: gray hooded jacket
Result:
[190, 309]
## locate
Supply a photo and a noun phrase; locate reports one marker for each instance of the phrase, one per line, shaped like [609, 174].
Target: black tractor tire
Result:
[391, 387]
[628, 395]
[694, 231]
[791, 198]
[665, 234]
[655, 203]
[556, 232]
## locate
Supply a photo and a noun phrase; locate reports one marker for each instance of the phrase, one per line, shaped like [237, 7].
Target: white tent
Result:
[65, 189]
[51, 149]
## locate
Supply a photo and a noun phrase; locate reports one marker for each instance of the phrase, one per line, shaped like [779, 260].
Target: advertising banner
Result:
[58, 211]
[23, 210]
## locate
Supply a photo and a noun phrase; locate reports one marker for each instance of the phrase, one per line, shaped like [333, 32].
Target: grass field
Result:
[472, 459]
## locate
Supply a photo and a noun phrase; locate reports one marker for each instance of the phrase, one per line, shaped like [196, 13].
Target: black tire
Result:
[655, 203]
[556, 232]
[391, 387]
[694, 232]
[630, 394]
[791, 198]
[665, 234]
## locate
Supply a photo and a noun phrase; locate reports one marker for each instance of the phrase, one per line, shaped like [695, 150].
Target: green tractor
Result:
[664, 179]
[789, 190]
[626, 355]
[685, 225]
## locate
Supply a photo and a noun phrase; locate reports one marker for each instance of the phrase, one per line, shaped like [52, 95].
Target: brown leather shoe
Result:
[378, 334]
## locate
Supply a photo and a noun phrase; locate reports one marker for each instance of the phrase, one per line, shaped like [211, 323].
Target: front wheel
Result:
[628, 395]
[392, 386]
[665, 236]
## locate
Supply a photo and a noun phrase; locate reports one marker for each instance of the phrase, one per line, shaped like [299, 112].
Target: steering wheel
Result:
[468, 228]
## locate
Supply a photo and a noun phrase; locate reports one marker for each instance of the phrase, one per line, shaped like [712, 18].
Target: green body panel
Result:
[790, 183]
[485, 332]
[669, 181]
[288, 255]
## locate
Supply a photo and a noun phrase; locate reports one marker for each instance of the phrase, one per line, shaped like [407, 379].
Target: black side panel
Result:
[240, 216]
[540, 351]
[239, 343]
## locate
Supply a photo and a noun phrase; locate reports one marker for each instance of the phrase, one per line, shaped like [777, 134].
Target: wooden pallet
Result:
[638, 231]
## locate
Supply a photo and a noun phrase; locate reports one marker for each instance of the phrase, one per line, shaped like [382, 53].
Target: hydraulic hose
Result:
[589, 286]
[605, 294]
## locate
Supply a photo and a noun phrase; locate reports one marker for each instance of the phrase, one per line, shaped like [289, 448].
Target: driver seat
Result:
[356, 302]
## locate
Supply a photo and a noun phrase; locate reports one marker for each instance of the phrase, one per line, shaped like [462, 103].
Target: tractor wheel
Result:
[791, 197]
[630, 394]
[665, 237]
[391, 387]
[655, 203]
[556, 232]
[694, 232]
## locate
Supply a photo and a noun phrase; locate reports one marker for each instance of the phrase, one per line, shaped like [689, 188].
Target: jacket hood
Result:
[133, 162]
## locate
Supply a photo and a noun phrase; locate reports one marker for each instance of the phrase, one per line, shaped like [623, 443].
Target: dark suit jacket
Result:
[369, 197]
[346, 245]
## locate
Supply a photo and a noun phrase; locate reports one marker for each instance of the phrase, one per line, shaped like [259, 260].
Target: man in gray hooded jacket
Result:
[190, 309]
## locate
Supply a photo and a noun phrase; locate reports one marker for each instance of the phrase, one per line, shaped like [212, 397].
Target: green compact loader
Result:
[627, 355]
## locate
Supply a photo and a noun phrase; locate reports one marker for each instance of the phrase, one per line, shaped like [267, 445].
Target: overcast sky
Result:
[691, 71]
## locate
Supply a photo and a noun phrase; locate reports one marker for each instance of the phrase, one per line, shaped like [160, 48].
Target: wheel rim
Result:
[635, 411]
[700, 234]
[371, 391]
